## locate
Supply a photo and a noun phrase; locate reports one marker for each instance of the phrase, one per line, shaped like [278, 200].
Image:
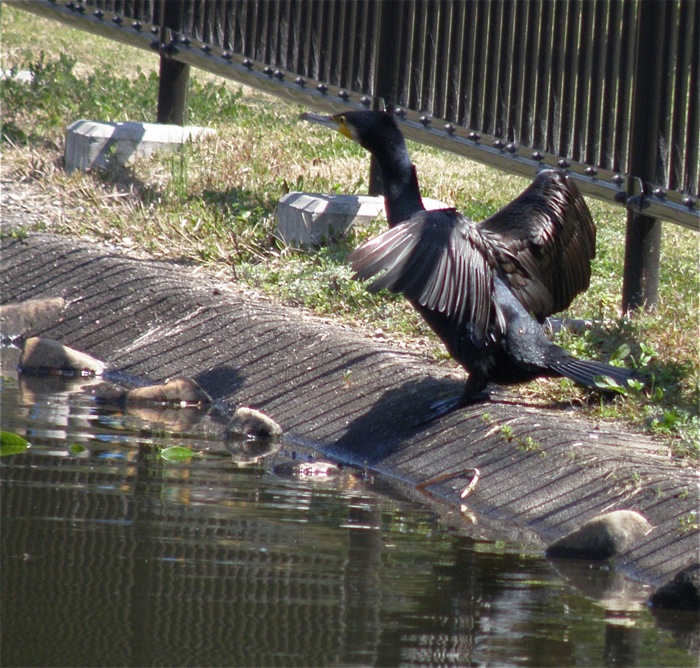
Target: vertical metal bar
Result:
[528, 119]
[387, 66]
[570, 70]
[583, 82]
[413, 47]
[434, 91]
[556, 80]
[544, 73]
[352, 48]
[685, 131]
[224, 28]
[666, 100]
[682, 103]
[608, 127]
[456, 63]
[596, 47]
[478, 64]
[643, 241]
[491, 70]
[623, 106]
[517, 94]
[316, 52]
[369, 28]
[467, 66]
[691, 172]
[335, 42]
[441, 95]
[505, 69]
[426, 29]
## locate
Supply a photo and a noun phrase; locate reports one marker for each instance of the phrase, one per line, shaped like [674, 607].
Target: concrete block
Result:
[23, 76]
[308, 219]
[94, 144]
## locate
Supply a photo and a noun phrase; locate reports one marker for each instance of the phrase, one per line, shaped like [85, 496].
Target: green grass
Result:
[214, 204]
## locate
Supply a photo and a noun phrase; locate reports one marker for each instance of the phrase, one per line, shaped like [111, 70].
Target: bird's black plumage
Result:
[481, 287]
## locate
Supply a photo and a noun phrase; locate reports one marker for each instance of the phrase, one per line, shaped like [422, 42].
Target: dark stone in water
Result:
[602, 537]
[681, 592]
[249, 423]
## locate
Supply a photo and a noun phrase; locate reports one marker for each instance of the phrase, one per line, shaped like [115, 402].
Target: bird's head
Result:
[373, 130]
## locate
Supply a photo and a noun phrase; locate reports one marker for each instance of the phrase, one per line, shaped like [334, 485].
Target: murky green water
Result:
[112, 556]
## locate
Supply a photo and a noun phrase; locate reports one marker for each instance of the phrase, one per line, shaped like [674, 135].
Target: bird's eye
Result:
[343, 126]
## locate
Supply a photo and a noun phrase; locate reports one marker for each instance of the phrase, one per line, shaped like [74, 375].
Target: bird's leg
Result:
[473, 393]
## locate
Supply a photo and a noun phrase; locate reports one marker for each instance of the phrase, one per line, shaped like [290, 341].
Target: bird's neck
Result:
[401, 192]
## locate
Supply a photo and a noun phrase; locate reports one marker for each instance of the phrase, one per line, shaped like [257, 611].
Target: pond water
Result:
[114, 556]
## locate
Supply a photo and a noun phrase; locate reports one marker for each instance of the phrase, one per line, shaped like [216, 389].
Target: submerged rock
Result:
[173, 419]
[245, 451]
[310, 469]
[180, 390]
[682, 592]
[602, 537]
[47, 356]
[249, 423]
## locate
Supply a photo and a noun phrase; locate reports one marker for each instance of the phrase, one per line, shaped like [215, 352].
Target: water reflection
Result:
[112, 556]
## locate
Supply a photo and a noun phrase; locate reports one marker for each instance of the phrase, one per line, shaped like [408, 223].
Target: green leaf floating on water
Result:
[176, 453]
[76, 448]
[11, 444]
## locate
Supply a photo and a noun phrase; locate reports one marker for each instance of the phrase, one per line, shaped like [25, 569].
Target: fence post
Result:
[640, 285]
[174, 75]
[172, 90]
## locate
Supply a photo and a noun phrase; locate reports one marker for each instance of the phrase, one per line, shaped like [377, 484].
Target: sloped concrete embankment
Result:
[355, 399]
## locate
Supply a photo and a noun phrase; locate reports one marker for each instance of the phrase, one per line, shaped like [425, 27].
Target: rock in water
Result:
[46, 355]
[249, 423]
[602, 537]
[682, 592]
[180, 390]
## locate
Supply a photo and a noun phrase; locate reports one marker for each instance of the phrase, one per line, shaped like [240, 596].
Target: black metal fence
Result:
[606, 89]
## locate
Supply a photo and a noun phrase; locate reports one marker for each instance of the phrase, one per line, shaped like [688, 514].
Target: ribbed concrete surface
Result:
[354, 399]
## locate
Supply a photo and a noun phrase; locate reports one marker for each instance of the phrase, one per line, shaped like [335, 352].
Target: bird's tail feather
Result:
[586, 372]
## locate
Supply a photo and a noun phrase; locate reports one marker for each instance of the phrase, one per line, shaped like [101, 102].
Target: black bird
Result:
[482, 287]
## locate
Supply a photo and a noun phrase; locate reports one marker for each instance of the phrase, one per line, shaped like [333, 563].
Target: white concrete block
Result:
[23, 76]
[304, 219]
[309, 219]
[93, 144]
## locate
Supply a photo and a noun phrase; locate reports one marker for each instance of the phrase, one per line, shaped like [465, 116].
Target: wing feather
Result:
[439, 261]
[544, 241]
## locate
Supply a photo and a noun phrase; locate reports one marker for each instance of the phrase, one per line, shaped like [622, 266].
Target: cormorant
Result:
[482, 287]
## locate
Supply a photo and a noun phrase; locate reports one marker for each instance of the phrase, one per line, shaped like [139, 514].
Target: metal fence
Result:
[606, 89]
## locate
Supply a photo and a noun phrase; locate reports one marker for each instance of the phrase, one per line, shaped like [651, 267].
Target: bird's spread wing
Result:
[544, 241]
[438, 260]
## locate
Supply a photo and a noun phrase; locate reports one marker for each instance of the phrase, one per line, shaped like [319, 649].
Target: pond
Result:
[113, 555]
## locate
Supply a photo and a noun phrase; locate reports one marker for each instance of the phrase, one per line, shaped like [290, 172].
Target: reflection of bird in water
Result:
[478, 286]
